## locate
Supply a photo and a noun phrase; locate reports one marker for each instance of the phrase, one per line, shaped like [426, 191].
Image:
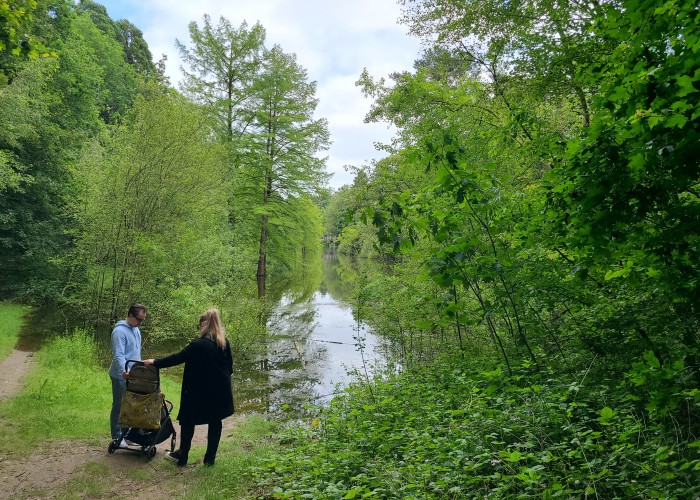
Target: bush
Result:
[445, 432]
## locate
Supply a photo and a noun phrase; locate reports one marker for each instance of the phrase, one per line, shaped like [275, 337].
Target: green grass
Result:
[229, 478]
[11, 316]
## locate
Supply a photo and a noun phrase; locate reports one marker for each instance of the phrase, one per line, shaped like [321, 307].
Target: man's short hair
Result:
[135, 309]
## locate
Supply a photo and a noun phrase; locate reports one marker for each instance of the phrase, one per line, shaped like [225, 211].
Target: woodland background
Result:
[539, 209]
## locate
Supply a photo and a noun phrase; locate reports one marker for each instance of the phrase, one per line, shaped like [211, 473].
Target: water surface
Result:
[314, 344]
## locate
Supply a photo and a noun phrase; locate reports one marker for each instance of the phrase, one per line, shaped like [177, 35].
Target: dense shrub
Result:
[448, 432]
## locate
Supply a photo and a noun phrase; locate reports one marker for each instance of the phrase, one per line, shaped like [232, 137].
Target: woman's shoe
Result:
[175, 456]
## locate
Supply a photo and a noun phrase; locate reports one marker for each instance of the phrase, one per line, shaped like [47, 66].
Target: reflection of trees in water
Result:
[297, 284]
[295, 366]
[291, 369]
[343, 273]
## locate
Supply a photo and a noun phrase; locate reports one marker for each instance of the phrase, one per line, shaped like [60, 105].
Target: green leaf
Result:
[654, 120]
[685, 82]
[606, 414]
[514, 456]
[675, 121]
[652, 360]
[653, 273]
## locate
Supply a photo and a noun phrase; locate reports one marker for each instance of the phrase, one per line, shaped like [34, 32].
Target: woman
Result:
[206, 396]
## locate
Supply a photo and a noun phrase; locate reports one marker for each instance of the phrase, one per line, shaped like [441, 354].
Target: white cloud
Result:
[334, 40]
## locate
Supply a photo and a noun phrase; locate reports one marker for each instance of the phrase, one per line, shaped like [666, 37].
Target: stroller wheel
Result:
[151, 452]
[112, 446]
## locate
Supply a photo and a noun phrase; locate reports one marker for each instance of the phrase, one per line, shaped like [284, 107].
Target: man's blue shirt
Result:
[126, 344]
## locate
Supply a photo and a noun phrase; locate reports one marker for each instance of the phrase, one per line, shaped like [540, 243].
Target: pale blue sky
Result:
[333, 39]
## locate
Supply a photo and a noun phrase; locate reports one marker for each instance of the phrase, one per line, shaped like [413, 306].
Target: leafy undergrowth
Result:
[449, 433]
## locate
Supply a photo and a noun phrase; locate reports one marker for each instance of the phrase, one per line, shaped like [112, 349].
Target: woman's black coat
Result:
[206, 383]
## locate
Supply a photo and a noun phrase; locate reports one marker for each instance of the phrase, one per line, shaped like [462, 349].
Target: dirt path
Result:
[40, 474]
[55, 464]
[12, 371]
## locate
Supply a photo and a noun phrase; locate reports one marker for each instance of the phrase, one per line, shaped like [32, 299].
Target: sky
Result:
[333, 39]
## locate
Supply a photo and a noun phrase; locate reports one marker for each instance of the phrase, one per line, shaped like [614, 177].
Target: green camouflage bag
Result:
[141, 411]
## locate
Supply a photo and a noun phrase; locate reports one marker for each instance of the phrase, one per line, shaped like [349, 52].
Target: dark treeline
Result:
[116, 187]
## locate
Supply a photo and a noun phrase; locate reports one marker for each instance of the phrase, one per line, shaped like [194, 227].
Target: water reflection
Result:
[314, 341]
[43, 323]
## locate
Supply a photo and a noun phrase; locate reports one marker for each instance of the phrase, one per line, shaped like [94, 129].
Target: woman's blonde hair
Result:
[210, 324]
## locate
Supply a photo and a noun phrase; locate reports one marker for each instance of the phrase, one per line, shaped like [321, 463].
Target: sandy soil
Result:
[39, 474]
[12, 371]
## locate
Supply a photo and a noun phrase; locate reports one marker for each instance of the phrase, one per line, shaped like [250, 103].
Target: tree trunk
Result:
[262, 257]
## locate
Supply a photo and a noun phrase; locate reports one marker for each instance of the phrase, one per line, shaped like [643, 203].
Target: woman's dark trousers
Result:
[213, 438]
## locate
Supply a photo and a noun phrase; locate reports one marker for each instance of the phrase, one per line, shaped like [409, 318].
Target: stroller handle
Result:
[132, 361]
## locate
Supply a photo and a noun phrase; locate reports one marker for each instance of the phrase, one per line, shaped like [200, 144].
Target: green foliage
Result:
[153, 218]
[222, 80]
[15, 39]
[336, 212]
[11, 316]
[558, 220]
[33, 148]
[451, 432]
[51, 107]
[296, 235]
[625, 193]
[262, 108]
[118, 85]
[409, 312]
[358, 239]
[135, 50]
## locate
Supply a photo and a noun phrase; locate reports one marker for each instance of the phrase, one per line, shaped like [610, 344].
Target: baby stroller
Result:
[145, 413]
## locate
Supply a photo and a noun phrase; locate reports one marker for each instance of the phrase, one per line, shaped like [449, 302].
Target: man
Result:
[126, 344]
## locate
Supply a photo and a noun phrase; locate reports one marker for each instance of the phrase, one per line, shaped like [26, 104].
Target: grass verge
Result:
[68, 397]
[11, 316]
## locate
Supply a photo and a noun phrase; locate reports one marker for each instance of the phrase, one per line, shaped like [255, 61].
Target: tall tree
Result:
[152, 213]
[222, 64]
[134, 48]
[263, 107]
[283, 144]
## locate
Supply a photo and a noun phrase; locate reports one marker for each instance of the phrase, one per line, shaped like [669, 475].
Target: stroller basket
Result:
[142, 400]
